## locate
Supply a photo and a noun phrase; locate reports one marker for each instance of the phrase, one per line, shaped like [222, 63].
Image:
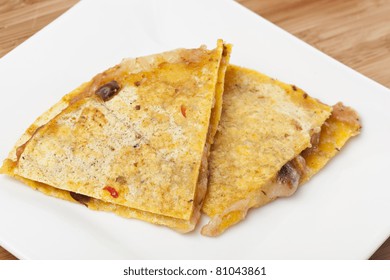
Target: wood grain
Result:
[21, 19]
[5, 255]
[355, 32]
[18, 21]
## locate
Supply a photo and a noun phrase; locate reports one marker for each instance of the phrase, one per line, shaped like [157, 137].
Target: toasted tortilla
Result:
[342, 124]
[134, 140]
[272, 138]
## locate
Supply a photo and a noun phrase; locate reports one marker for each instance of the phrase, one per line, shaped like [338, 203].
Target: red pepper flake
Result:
[183, 110]
[112, 191]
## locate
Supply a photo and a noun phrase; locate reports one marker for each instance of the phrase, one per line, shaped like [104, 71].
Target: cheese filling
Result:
[341, 125]
[107, 93]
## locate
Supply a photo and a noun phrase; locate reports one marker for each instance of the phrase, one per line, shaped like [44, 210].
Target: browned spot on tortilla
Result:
[21, 148]
[345, 114]
[296, 124]
[121, 180]
[294, 87]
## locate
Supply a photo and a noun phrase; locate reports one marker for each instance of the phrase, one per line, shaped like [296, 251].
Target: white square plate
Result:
[342, 213]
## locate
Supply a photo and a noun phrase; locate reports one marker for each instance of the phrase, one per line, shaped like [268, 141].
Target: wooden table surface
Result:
[355, 32]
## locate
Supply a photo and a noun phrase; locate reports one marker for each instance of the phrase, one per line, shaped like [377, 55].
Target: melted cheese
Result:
[265, 124]
[139, 136]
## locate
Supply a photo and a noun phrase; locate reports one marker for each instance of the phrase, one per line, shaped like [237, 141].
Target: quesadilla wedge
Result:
[272, 138]
[134, 140]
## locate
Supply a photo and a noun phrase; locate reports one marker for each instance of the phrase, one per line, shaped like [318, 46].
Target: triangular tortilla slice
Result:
[272, 138]
[134, 140]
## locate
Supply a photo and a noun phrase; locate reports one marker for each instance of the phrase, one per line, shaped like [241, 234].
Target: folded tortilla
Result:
[134, 140]
[272, 138]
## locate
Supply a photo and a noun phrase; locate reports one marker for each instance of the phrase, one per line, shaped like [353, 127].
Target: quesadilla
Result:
[134, 140]
[272, 138]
